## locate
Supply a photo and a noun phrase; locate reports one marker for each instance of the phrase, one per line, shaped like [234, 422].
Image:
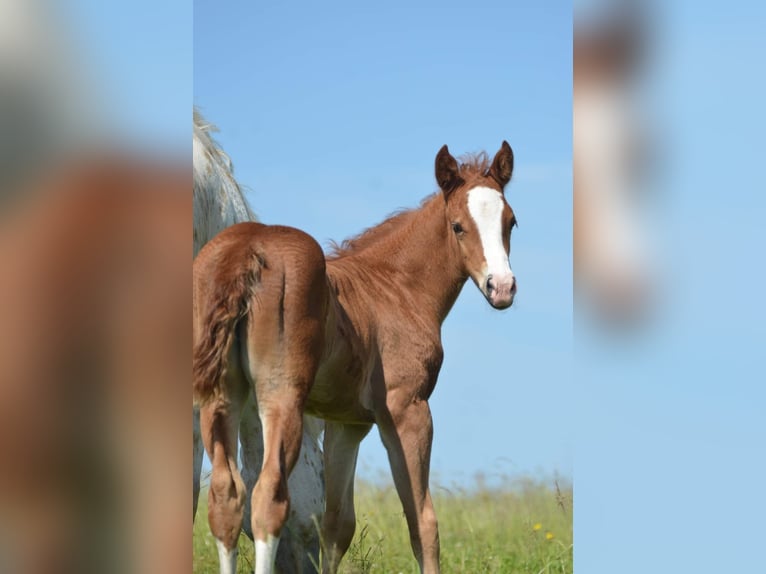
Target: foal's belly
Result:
[339, 397]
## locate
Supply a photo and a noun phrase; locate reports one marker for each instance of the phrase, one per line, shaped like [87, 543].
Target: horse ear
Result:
[502, 165]
[447, 172]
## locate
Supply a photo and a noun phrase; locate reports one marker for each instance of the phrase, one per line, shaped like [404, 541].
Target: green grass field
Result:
[521, 527]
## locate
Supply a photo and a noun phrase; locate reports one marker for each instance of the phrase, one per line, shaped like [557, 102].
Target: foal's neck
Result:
[422, 259]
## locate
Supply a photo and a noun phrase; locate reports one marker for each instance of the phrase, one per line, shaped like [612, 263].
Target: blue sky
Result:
[333, 114]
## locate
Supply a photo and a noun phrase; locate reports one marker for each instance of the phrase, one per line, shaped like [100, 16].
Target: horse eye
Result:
[457, 228]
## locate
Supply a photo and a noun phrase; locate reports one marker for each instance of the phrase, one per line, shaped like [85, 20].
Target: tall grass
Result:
[521, 526]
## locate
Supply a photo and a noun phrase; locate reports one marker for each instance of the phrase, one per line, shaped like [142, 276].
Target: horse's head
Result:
[480, 219]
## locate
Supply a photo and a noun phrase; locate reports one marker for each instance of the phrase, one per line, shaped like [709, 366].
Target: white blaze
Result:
[486, 208]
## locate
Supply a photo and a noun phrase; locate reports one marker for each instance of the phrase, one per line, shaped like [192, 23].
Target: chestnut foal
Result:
[354, 338]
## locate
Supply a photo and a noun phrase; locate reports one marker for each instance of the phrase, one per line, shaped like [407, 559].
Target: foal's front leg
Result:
[407, 432]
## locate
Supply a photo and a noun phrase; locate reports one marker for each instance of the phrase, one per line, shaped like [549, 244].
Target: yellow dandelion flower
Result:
[549, 535]
[536, 526]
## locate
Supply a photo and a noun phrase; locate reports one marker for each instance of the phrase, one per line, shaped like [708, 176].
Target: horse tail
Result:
[229, 303]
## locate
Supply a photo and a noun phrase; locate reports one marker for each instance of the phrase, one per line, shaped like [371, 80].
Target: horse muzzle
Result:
[500, 291]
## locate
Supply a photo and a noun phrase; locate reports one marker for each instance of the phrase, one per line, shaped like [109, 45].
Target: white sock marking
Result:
[266, 554]
[227, 559]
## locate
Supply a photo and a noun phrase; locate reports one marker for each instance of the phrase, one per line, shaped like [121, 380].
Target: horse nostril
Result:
[513, 287]
[490, 285]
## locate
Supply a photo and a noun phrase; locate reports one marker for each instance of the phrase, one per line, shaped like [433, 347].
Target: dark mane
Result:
[394, 222]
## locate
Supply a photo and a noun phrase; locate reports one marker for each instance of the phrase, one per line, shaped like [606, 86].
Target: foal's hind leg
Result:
[341, 447]
[226, 497]
[281, 414]
[284, 340]
[197, 451]
[298, 549]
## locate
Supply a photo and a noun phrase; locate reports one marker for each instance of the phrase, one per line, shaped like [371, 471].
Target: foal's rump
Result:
[265, 285]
